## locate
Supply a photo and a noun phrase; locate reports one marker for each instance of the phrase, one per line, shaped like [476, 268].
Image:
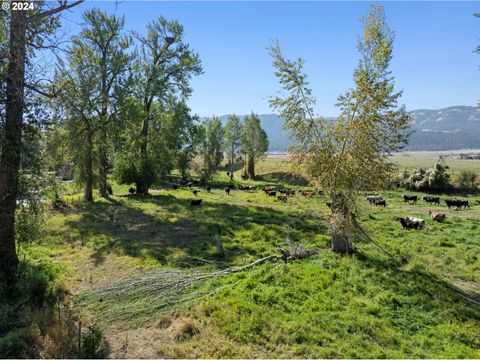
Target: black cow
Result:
[209, 188]
[227, 190]
[131, 190]
[457, 203]
[272, 193]
[381, 202]
[432, 199]
[412, 198]
[175, 187]
[197, 202]
[195, 192]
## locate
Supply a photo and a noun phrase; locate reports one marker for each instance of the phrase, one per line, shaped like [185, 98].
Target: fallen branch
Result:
[164, 290]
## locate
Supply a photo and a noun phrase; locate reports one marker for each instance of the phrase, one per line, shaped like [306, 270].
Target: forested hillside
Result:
[452, 128]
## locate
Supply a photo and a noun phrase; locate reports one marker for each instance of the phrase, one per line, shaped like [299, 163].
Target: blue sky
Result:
[433, 59]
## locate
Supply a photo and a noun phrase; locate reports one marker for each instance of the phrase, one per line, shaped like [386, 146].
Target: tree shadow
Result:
[172, 232]
[429, 290]
[284, 177]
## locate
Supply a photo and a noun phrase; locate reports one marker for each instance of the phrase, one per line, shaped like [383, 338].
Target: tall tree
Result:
[26, 32]
[353, 152]
[94, 83]
[233, 140]
[212, 146]
[255, 142]
[188, 139]
[109, 61]
[164, 69]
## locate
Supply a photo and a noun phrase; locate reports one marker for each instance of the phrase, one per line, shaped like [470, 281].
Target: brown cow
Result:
[283, 198]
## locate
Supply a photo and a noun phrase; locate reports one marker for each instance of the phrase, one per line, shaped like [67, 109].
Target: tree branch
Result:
[54, 11]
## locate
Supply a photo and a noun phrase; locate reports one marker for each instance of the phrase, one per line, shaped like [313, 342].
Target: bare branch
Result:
[64, 6]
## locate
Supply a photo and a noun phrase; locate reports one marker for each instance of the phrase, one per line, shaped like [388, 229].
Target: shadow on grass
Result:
[284, 177]
[169, 230]
[427, 288]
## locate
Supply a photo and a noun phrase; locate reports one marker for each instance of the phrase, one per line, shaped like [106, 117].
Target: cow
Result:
[272, 193]
[372, 198]
[195, 192]
[283, 198]
[432, 199]
[175, 186]
[190, 184]
[244, 177]
[209, 188]
[131, 190]
[439, 217]
[269, 188]
[457, 203]
[227, 190]
[329, 204]
[412, 198]
[379, 202]
[412, 223]
[197, 202]
[308, 194]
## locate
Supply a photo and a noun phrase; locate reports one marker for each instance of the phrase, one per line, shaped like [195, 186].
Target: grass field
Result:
[423, 302]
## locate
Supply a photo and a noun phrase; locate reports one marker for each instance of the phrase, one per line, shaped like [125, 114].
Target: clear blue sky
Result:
[433, 60]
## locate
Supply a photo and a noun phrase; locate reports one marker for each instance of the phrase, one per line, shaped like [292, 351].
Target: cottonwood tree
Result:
[211, 152]
[27, 32]
[162, 71]
[255, 142]
[233, 140]
[353, 152]
[94, 81]
[188, 138]
[103, 41]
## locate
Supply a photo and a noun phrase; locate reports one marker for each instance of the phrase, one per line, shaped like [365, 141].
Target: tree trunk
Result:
[341, 223]
[88, 197]
[12, 145]
[104, 118]
[232, 159]
[142, 187]
[251, 167]
[341, 243]
[103, 165]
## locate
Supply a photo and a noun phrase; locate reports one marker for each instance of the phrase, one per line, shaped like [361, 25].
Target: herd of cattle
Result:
[282, 194]
[409, 222]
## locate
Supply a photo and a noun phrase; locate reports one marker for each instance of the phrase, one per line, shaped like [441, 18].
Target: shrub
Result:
[94, 345]
[467, 180]
[20, 343]
[434, 179]
[127, 171]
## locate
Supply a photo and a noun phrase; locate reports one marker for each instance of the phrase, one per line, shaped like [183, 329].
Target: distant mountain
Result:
[452, 128]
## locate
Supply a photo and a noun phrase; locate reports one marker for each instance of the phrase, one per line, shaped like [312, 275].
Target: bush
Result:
[434, 179]
[20, 343]
[94, 345]
[127, 172]
[467, 180]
